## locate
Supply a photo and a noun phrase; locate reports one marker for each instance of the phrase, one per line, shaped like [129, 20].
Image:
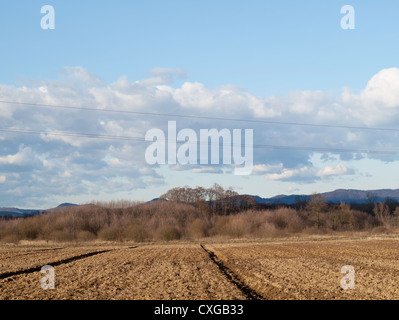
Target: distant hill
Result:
[283, 199]
[24, 213]
[156, 200]
[18, 213]
[67, 205]
[337, 196]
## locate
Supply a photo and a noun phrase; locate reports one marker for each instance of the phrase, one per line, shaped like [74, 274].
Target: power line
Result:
[142, 139]
[203, 117]
[70, 134]
[110, 137]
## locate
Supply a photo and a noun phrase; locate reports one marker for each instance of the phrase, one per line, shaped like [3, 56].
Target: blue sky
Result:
[287, 61]
[268, 47]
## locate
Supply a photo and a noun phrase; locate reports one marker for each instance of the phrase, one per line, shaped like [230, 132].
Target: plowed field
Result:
[214, 271]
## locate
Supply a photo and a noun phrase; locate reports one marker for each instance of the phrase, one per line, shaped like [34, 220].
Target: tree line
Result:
[195, 213]
[215, 200]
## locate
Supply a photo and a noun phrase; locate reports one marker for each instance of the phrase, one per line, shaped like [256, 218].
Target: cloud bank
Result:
[34, 166]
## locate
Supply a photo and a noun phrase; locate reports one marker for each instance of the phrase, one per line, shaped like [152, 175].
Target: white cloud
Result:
[309, 173]
[205, 169]
[112, 161]
[263, 168]
[65, 174]
[225, 99]
[194, 95]
[77, 74]
[306, 102]
[378, 103]
[339, 169]
[287, 174]
[382, 89]
[165, 76]
[69, 160]
[292, 189]
[23, 157]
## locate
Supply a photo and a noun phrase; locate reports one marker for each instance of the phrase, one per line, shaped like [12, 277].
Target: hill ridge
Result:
[336, 196]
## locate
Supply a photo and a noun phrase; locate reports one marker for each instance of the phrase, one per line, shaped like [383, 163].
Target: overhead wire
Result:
[137, 138]
[200, 117]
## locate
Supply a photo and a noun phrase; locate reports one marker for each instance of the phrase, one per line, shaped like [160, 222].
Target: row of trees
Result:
[334, 216]
[195, 213]
[214, 200]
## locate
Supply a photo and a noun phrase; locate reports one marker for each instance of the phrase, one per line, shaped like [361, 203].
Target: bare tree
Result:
[315, 207]
[382, 213]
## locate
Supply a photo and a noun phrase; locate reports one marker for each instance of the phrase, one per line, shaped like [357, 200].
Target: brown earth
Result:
[286, 269]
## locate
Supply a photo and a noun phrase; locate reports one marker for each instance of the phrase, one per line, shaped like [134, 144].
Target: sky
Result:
[77, 100]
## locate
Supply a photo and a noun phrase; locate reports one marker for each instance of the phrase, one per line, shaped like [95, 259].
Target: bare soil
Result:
[239, 270]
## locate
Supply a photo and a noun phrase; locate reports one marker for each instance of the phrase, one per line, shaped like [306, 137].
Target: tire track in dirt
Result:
[55, 263]
[154, 272]
[312, 270]
[249, 293]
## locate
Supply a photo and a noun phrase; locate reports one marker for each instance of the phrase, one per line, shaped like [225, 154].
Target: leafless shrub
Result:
[171, 214]
[219, 226]
[29, 229]
[267, 230]
[251, 223]
[236, 226]
[285, 219]
[395, 218]
[341, 218]
[382, 213]
[109, 234]
[10, 238]
[198, 229]
[167, 233]
[315, 210]
[380, 230]
[60, 236]
[363, 221]
[136, 232]
[84, 235]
